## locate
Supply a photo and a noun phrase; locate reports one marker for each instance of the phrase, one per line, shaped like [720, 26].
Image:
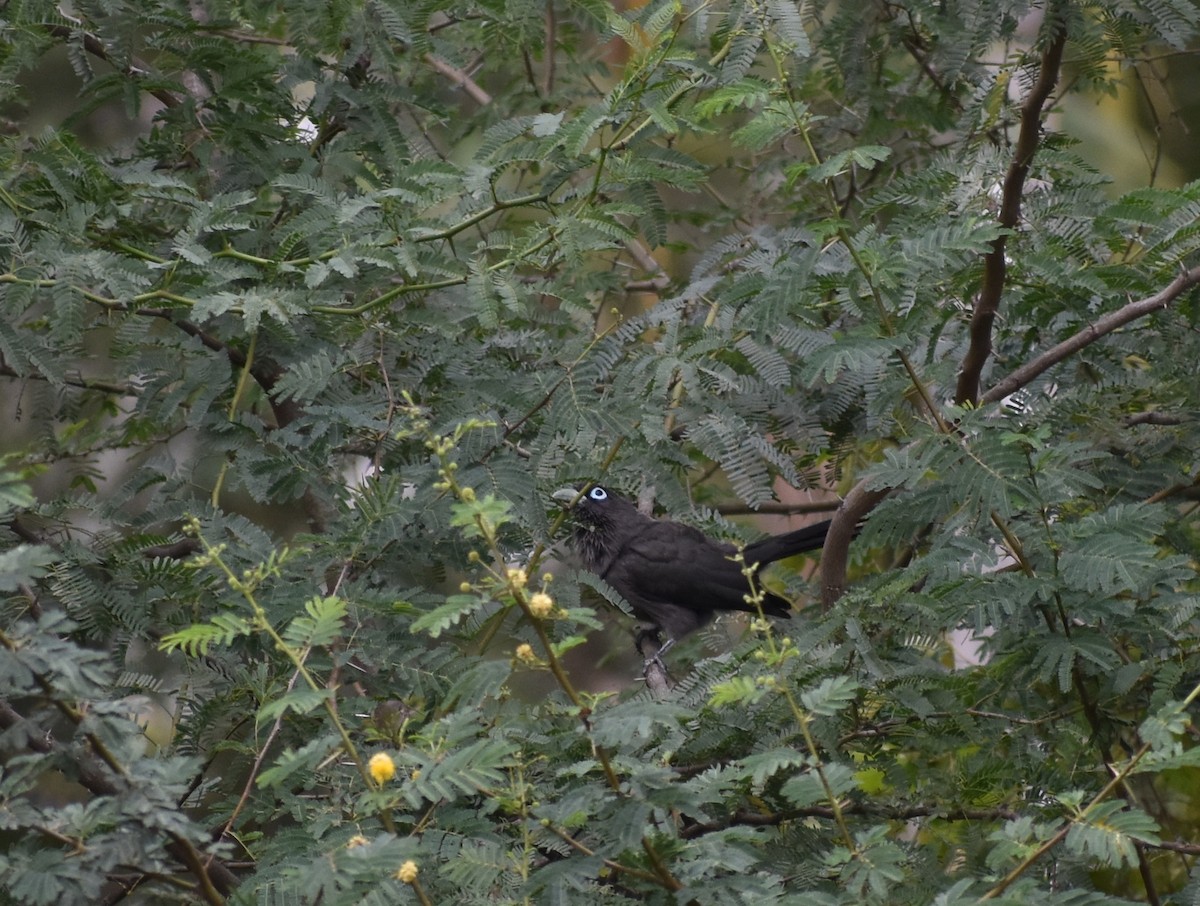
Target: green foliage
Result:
[307, 307]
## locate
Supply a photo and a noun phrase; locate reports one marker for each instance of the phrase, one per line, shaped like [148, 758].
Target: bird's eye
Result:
[598, 494]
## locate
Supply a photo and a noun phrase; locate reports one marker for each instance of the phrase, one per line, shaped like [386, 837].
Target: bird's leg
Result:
[649, 637]
[651, 647]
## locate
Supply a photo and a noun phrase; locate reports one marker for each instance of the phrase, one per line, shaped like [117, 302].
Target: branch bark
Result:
[995, 268]
[1090, 334]
[859, 501]
[459, 78]
[835, 555]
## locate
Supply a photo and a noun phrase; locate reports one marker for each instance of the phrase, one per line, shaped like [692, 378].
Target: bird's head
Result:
[595, 506]
[597, 509]
[601, 518]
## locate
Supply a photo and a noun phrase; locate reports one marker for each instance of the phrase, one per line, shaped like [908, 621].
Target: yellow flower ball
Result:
[382, 767]
[525, 653]
[407, 872]
[541, 605]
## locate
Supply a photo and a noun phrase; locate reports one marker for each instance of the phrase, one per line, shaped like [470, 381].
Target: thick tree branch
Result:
[654, 671]
[1177, 846]
[835, 555]
[1101, 327]
[1151, 418]
[859, 501]
[660, 279]
[995, 267]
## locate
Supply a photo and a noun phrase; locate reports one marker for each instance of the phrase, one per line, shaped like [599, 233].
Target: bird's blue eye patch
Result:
[598, 494]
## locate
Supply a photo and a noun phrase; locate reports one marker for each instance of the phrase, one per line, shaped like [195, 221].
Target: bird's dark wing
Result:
[669, 564]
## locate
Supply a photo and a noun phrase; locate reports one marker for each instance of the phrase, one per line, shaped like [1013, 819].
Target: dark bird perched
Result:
[673, 575]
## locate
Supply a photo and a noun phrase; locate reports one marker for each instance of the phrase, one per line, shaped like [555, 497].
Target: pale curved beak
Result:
[567, 496]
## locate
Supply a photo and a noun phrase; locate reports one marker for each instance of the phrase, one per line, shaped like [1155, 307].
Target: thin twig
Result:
[551, 40]
[459, 78]
[213, 881]
[1111, 787]
[902, 813]
[135, 70]
[118, 389]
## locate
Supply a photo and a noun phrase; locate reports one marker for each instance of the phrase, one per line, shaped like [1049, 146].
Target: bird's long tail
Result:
[776, 547]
